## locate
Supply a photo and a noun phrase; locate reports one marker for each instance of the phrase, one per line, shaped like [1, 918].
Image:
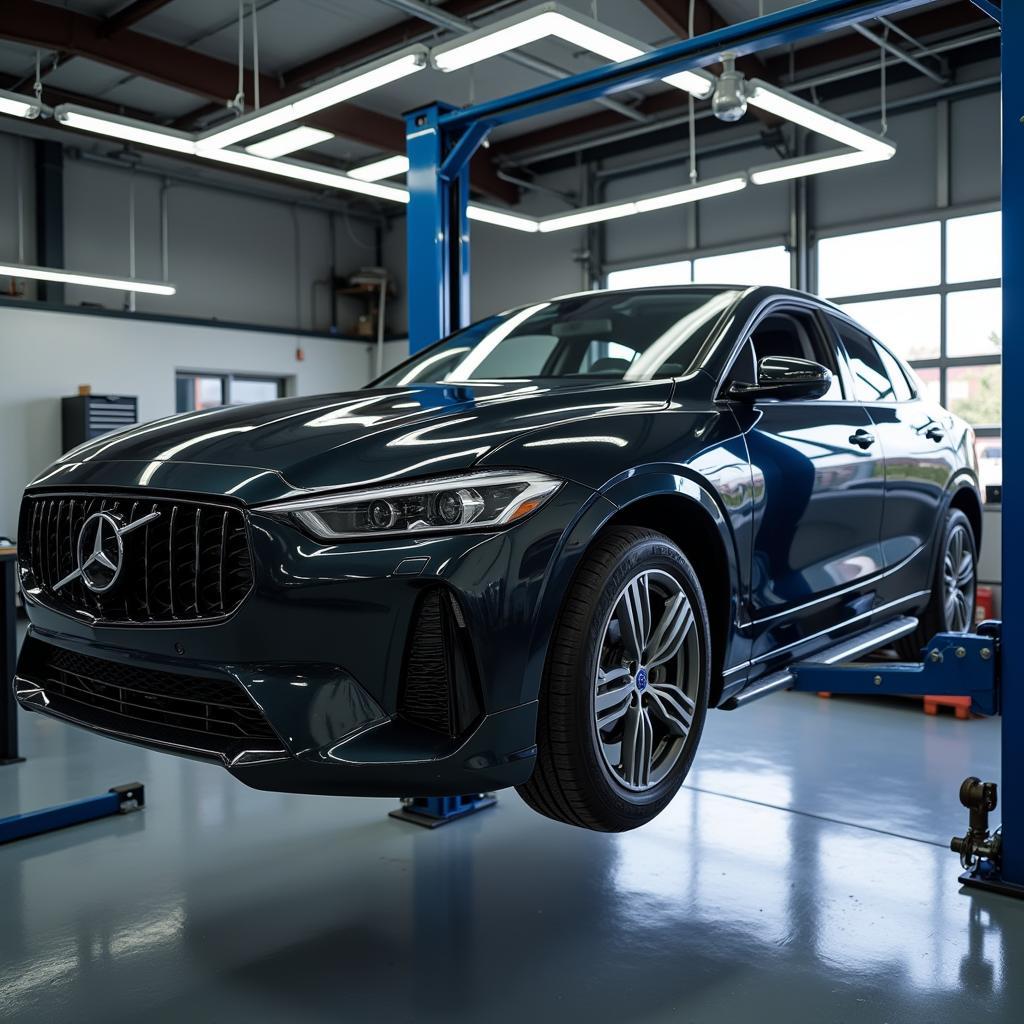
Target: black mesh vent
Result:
[438, 689]
[212, 714]
[191, 563]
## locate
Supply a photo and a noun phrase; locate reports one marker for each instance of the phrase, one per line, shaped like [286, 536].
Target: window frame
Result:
[943, 362]
[227, 377]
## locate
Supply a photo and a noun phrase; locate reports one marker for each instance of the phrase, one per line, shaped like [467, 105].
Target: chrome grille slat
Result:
[191, 565]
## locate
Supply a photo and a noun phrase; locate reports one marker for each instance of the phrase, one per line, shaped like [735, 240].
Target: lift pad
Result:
[119, 800]
[434, 811]
[954, 665]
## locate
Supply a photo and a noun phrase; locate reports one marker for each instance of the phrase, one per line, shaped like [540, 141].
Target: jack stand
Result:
[980, 850]
[119, 800]
[434, 811]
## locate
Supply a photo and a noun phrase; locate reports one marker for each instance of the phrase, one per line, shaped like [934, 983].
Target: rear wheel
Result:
[625, 692]
[951, 605]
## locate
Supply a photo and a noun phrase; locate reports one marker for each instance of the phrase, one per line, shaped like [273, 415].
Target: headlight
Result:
[473, 501]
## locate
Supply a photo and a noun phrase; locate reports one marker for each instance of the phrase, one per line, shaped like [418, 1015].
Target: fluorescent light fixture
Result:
[692, 193]
[19, 106]
[550, 19]
[792, 108]
[645, 204]
[123, 284]
[503, 219]
[801, 167]
[318, 97]
[306, 172]
[124, 128]
[389, 167]
[288, 142]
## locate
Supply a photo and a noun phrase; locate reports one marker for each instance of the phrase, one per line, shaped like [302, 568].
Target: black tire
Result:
[573, 782]
[936, 618]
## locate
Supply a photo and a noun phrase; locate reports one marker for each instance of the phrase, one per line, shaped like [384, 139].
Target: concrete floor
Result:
[802, 875]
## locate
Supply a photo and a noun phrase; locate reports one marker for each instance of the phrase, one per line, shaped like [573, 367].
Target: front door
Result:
[818, 480]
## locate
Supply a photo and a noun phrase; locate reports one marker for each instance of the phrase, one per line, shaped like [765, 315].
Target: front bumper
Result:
[321, 649]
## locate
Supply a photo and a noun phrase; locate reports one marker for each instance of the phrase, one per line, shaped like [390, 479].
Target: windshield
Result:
[605, 335]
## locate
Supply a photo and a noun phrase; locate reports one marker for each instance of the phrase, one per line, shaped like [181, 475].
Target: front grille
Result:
[201, 713]
[439, 689]
[191, 564]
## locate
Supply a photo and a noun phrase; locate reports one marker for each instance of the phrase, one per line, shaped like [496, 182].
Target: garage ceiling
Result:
[175, 61]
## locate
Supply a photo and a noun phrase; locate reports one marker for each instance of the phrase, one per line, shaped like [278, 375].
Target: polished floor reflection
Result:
[802, 875]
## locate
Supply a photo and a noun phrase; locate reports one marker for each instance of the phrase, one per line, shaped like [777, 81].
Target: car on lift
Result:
[534, 554]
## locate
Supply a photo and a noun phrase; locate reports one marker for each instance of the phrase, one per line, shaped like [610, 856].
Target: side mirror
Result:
[784, 378]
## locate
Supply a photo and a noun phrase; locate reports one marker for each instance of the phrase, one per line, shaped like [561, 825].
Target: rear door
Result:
[915, 435]
[818, 484]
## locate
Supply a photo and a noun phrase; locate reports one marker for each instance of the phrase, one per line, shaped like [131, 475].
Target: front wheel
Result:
[626, 686]
[950, 608]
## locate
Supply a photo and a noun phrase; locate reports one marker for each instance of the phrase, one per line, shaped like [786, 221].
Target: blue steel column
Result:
[1011, 792]
[437, 233]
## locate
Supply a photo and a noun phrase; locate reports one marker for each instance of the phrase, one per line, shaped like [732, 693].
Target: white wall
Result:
[46, 355]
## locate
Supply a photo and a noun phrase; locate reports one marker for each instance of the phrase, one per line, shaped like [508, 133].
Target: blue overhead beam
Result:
[995, 13]
[779, 29]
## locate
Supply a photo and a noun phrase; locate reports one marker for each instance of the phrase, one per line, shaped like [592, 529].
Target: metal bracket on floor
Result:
[119, 800]
[434, 811]
[954, 665]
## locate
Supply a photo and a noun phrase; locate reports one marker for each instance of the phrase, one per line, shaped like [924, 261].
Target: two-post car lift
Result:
[441, 140]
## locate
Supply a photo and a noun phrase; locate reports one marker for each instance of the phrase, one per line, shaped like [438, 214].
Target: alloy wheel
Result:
[649, 670]
[958, 574]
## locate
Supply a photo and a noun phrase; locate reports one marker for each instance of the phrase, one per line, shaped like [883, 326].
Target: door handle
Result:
[862, 438]
[935, 434]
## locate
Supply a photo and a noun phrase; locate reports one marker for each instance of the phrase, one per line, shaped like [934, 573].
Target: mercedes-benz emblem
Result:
[101, 550]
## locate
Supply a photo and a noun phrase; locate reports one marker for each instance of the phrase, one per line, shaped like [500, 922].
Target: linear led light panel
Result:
[792, 108]
[317, 97]
[802, 167]
[550, 19]
[125, 128]
[289, 142]
[121, 284]
[389, 167]
[502, 218]
[18, 106]
[645, 204]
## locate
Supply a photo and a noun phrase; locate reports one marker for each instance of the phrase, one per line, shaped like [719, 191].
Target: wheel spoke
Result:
[671, 631]
[673, 707]
[637, 746]
[611, 702]
[965, 574]
[634, 615]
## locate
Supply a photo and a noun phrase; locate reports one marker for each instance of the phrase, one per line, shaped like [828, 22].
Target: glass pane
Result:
[880, 261]
[756, 266]
[245, 390]
[928, 381]
[974, 392]
[974, 248]
[195, 391]
[910, 327]
[870, 380]
[990, 460]
[974, 322]
[647, 277]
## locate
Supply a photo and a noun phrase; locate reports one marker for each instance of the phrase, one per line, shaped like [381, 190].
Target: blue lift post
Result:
[440, 142]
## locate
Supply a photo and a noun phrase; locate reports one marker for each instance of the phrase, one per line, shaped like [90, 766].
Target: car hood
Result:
[340, 440]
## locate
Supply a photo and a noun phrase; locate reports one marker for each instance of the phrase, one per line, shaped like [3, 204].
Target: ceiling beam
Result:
[48, 27]
[130, 14]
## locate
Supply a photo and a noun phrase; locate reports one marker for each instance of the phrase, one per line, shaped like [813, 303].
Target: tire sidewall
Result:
[954, 518]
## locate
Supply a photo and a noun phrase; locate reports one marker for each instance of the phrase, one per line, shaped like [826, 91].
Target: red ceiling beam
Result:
[129, 15]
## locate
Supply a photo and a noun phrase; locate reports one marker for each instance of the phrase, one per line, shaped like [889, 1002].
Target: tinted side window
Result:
[870, 378]
[900, 387]
[795, 334]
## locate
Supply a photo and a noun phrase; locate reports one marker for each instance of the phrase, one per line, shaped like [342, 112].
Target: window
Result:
[900, 387]
[870, 378]
[931, 293]
[755, 266]
[195, 391]
[649, 277]
[795, 335]
[769, 266]
[880, 261]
